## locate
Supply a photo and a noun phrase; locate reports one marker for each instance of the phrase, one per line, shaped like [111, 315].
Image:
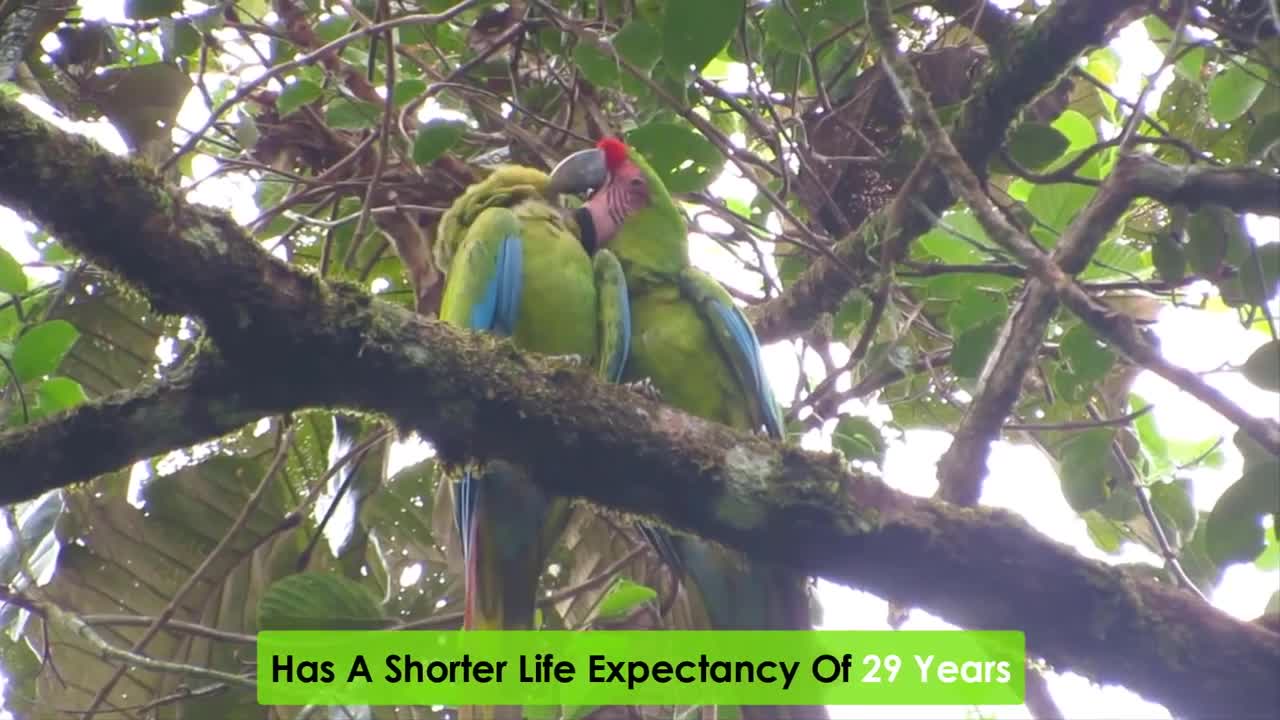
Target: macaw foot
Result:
[570, 360]
[645, 388]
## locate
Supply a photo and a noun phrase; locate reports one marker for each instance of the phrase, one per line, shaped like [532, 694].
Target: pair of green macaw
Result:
[612, 283]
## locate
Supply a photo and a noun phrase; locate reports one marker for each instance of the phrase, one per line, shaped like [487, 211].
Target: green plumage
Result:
[558, 312]
[515, 266]
[698, 350]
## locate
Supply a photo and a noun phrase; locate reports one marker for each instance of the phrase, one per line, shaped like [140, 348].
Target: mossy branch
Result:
[286, 340]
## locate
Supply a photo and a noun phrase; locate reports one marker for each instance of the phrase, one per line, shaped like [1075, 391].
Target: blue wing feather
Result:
[499, 308]
[618, 362]
[745, 340]
[496, 312]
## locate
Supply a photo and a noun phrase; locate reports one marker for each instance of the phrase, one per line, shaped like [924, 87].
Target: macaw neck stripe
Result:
[586, 229]
[618, 203]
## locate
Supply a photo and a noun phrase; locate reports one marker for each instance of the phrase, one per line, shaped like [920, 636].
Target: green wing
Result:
[615, 315]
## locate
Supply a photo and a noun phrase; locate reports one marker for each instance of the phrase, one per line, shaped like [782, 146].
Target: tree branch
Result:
[1058, 36]
[286, 340]
[963, 466]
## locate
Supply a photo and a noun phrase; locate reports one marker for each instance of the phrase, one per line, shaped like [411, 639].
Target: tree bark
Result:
[284, 339]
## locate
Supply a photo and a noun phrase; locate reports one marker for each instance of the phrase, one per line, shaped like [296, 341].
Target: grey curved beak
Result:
[580, 172]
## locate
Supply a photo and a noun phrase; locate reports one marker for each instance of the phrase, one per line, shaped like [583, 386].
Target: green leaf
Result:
[1234, 532]
[296, 94]
[1168, 258]
[1264, 136]
[1195, 559]
[782, 30]
[1057, 205]
[695, 32]
[1252, 453]
[344, 114]
[972, 348]
[434, 139]
[945, 244]
[1158, 30]
[790, 266]
[1104, 532]
[1206, 241]
[40, 350]
[598, 66]
[1035, 146]
[849, 317]
[142, 101]
[639, 43]
[59, 393]
[1190, 64]
[1078, 130]
[1259, 279]
[246, 130]
[1234, 90]
[1263, 367]
[975, 307]
[1172, 502]
[147, 9]
[859, 439]
[1084, 469]
[623, 597]
[12, 279]
[684, 159]
[407, 90]
[318, 601]
[1089, 359]
[178, 38]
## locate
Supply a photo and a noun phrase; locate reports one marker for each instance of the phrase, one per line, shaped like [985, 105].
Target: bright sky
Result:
[1021, 478]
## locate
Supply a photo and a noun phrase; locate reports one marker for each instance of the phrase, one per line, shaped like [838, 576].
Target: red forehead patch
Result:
[615, 152]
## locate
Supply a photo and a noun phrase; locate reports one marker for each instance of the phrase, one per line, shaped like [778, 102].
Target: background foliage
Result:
[355, 140]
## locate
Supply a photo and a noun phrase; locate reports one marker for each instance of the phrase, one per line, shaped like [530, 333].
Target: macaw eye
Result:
[637, 183]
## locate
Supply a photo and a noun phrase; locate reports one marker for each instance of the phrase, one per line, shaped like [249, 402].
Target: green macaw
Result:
[517, 266]
[698, 350]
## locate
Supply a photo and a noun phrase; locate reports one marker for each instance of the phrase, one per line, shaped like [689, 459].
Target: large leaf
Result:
[695, 32]
[435, 138]
[1035, 145]
[1234, 91]
[12, 279]
[859, 439]
[142, 101]
[118, 558]
[1263, 367]
[296, 94]
[40, 350]
[1084, 468]
[119, 334]
[318, 601]
[623, 597]
[39, 547]
[684, 159]
[1234, 532]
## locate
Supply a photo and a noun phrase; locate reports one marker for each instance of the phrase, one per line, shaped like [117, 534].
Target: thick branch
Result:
[301, 343]
[203, 401]
[1059, 35]
[1241, 189]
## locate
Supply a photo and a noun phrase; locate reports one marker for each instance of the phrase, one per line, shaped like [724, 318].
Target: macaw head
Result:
[630, 211]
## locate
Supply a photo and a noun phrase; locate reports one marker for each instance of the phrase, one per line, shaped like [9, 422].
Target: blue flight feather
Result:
[499, 308]
[618, 362]
[745, 338]
[496, 312]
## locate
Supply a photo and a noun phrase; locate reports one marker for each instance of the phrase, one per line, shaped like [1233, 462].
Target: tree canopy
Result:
[956, 212]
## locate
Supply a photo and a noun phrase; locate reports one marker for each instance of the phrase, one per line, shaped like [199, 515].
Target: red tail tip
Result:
[615, 152]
